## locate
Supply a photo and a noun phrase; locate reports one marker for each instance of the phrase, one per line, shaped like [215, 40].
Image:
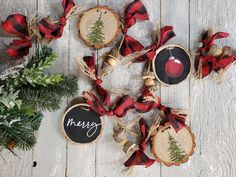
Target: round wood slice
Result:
[81, 125]
[160, 144]
[172, 64]
[99, 26]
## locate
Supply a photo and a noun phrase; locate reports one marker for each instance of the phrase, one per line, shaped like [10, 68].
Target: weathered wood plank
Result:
[213, 105]
[80, 158]
[50, 151]
[176, 13]
[123, 77]
[14, 166]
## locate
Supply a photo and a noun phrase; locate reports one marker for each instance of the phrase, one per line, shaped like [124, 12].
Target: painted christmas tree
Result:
[96, 36]
[176, 153]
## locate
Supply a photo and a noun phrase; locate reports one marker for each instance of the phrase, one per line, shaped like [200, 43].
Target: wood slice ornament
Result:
[171, 147]
[81, 125]
[99, 26]
[172, 64]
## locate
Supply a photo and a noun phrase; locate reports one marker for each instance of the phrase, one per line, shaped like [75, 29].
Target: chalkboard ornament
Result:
[170, 147]
[99, 26]
[171, 65]
[81, 125]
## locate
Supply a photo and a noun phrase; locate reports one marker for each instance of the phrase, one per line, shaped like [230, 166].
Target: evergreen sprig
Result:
[34, 72]
[24, 92]
[50, 97]
[18, 127]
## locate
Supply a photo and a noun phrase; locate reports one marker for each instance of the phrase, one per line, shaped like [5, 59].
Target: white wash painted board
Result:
[212, 106]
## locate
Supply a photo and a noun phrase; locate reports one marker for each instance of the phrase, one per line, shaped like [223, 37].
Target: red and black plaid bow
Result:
[177, 121]
[120, 109]
[166, 33]
[50, 30]
[17, 25]
[123, 104]
[104, 94]
[146, 102]
[139, 157]
[205, 63]
[133, 12]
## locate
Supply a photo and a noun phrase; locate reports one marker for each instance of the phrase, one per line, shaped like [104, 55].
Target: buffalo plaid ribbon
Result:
[166, 33]
[104, 94]
[50, 30]
[141, 105]
[139, 157]
[144, 104]
[177, 121]
[17, 26]
[133, 12]
[205, 63]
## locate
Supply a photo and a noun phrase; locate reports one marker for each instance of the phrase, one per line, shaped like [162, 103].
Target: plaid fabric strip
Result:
[224, 62]
[177, 121]
[123, 104]
[67, 5]
[166, 33]
[90, 61]
[139, 157]
[50, 30]
[142, 105]
[19, 48]
[94, 103]
[207, 62]
[133, 12]
[16, 25]
[207, 43]
[130, 45]
[104, 94]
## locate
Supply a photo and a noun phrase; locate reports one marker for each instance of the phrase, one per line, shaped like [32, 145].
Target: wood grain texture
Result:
[212, 106]
[14, 166]
[175, 13]
[80, 158]
[50, 151]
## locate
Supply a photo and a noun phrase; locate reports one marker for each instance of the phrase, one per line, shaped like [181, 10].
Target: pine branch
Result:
[49, 97]
[9, 99]
[33, 73]
[18, 128]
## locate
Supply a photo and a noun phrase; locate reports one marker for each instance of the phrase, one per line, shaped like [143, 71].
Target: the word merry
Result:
[91, 126]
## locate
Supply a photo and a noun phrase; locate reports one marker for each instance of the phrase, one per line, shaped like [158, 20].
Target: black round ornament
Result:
[81, 124]
[172, 64]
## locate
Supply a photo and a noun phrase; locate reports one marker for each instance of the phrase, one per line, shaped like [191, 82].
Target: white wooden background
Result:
[212, 106]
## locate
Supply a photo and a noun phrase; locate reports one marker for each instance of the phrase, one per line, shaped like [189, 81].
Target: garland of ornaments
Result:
[167, 57]
[171, 141]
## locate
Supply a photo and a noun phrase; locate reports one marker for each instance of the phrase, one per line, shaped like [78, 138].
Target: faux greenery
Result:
[25, 91]
[96, 36]
[176, 153]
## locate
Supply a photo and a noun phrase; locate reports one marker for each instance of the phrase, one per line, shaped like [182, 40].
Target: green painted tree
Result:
[96, 36]
[176, 153]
